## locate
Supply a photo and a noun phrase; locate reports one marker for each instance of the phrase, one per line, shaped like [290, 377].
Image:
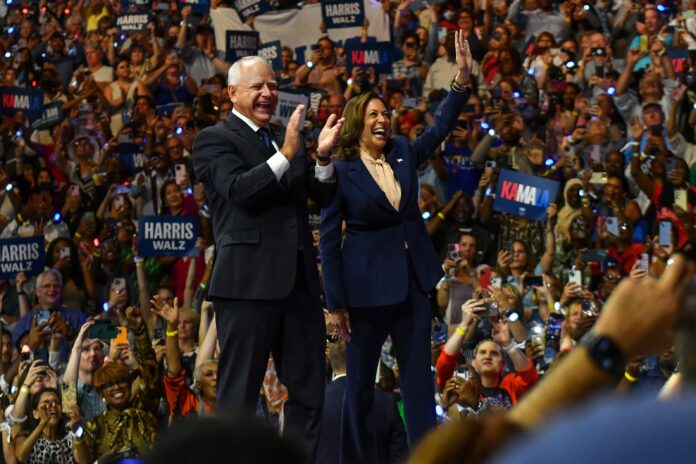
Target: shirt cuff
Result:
[324, 173]
[279, 164]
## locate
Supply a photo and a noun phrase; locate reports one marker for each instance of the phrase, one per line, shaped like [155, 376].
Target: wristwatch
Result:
[323, 159]
[605, 353]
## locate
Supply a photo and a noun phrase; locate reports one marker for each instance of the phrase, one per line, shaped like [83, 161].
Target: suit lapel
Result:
[402, 173]
[363, 179]
[249, 136]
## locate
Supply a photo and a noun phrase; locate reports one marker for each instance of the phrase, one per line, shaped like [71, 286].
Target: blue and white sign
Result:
[21, 255]
[168, 236]
[342, 13]
[247, 8]
[524, 195]
[28, 101]
[241, 44]
[52, 115]
[133, 22]
[197, 6]
[287, 102]
[133, 156]
[270, 51]
[375, 54]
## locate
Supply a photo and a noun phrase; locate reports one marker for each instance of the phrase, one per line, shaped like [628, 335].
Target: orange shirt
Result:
[182, 401]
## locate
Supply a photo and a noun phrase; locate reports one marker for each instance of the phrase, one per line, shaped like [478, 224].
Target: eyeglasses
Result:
[114, 383]
[612, 278]
[410, 44]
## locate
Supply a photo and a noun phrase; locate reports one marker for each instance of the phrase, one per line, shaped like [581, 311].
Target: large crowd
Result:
[103, 349]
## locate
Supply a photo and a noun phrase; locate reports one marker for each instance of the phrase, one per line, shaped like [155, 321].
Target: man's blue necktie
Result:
[265, 135]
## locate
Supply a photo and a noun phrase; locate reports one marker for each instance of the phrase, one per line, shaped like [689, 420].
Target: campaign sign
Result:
[132, 155]
[52, 115]
[197, 6]
[375, 54]
[270, 51]
[342, 13]
[241, 44]
[168, 236]
[21, 255]
[19, 99]
[287, 102]
[135, 5]
[524, 195]
[133, 22]
[247, 8]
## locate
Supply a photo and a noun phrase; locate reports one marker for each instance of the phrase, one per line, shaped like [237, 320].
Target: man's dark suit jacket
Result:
[392, 446]
[258, 222]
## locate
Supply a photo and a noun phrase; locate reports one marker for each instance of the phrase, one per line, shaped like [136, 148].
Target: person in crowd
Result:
[86, 357]
[378, 172]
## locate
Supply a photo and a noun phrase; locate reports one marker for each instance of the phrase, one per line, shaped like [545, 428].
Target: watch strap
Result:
[605, 353]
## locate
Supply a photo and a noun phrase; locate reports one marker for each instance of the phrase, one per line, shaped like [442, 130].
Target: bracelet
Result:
[21, 292]
[173, 333]
[24, 389]
[629, 377]
[202, 286]
[458, 88]
[460, 331]
[441, 215]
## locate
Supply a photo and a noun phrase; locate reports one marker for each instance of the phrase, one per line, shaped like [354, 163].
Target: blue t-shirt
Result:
[461, 172]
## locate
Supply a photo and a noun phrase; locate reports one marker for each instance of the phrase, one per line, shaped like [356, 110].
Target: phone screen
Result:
[613, 226]
[533, 281]
[665, 233]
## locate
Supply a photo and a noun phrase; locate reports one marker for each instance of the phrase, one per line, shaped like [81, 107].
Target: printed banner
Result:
[133, 156]
[287, 102]
[28, 101]
[524, 195]
[168, 236]
[247, 8]
[21, 255]
[135, 5]
[197, 6]
[133, 22]
[271, 52]
[52, 115]
[342, 13]
[375, 54]
[241, 44]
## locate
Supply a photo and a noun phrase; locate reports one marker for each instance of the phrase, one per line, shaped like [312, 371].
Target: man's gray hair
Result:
[235, 73]
[49, 272]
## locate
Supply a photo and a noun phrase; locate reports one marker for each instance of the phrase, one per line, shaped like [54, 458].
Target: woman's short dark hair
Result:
[163, 195]
[348, 147]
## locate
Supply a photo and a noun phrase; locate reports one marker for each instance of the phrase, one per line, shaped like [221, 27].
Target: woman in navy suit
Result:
[377, 278]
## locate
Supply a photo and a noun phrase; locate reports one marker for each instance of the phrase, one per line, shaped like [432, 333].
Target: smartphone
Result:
[64, 252]
[533, 281]
[122, 337]
[492, 310]
[103, 329]
[441, 33]
[553, 327]
[395, 84]
[122, 189]
[598, 178]
[613, 225]
[665, 233]
[179, 172]
[439, 332]
[575, 276]
[496, 282]
[641, 17]
[42, 316]
[594, 255]
[656, 130]
[680, 199]
[75, 191]
[119, 284]
[644, 261]
[599, 70]
[644, 43]
[26, 354]
[453, 251]
[507, 246]
[491, 164]
[462, 374]
[411, 102]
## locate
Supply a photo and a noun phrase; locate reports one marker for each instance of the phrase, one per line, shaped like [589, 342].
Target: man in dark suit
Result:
[264, 286]
[392, 446]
